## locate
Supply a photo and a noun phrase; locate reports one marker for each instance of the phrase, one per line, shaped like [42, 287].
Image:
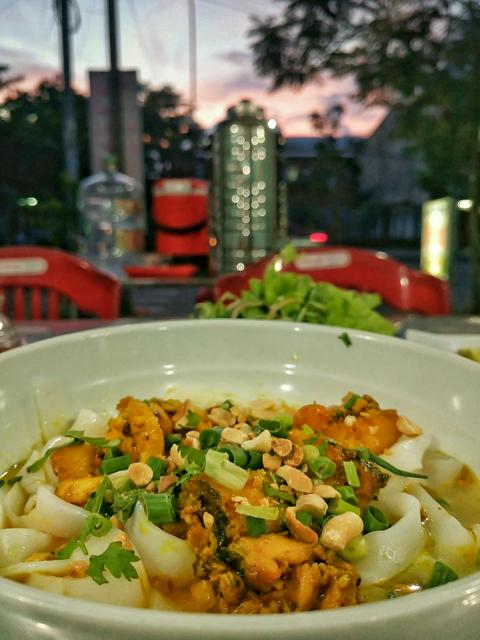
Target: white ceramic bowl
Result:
[50, 381]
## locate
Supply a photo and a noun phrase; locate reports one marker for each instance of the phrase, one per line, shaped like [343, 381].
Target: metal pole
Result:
[192, 45]
[69, 123]
[116, 120]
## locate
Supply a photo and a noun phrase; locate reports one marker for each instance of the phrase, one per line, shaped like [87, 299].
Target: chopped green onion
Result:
[355, 549]
[351, 473]
[159, 507]
[219, 468]
[95, 501]
[374, 520]
[227, 405]
[285, 419]
[338, 506]
[275, 427]
[351, 401]
[10, 481]
[257, 511]
[272, 492]
[112, 452]
[173, 438]
[306, 428]
[366, 455]
[209, 438]
[96, 442]
[193, 419]
[310, 453]
[111, 465]
[256, 527]
[255, 460]
[35, 466]
[322, 467]
[158, 466]
[441, 574]
[235, 454]
[348, 494]
[193, 456]
[345, 338]
[305, 518]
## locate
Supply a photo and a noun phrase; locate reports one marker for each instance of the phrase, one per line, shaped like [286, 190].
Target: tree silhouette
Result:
[420, 58]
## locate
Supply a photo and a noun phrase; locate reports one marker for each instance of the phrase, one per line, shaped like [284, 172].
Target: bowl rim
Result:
[271, 325]
[464, 591]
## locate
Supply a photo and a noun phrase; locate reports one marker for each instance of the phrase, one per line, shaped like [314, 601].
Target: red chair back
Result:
[35, 281]
[400, 287]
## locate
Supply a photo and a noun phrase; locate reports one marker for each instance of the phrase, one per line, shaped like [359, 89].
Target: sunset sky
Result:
[154, 40]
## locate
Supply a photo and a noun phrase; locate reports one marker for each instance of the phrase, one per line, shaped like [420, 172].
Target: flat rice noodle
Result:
[91, 423]
[51, 514]
[55, 575]
[447, 531]
[394, 549]
[408, 452]
[159, 601]
[162, 554]
[442, 471]
[118, 591]
[32, 481]
[16, 544]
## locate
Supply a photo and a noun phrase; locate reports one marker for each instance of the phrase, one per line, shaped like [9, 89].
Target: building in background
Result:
[248, 217]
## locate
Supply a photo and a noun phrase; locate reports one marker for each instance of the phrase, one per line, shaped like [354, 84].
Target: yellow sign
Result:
[438, 237]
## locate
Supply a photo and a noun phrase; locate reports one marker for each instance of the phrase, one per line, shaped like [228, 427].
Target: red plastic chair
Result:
[37, 283]
[400, 287]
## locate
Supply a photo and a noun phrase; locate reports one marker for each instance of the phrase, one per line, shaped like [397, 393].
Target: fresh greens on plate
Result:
[297, 297]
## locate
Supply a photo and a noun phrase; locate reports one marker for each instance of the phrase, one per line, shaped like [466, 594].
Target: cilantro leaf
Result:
[193, 419]
[115, 559]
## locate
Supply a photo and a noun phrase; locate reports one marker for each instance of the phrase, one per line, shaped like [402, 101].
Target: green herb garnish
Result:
[160, 507]
[297, 297]
[441, 574]
[366, 455]
[117, 560]
[322, 467]
[374, 520]
[282, 496]
[345, 338]
[95, 525]
[256, 527]
[79, 436]
[112, 465]
[348, 405]
[351, 473]
[193, 419]
[209, 438]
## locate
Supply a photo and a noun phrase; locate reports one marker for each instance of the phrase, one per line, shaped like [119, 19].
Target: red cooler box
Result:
[180, 211]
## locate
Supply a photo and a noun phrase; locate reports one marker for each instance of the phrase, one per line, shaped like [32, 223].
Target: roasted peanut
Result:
[339, 530]
[296, 479]
[407, 427]
[298, 529]
[140, 473]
